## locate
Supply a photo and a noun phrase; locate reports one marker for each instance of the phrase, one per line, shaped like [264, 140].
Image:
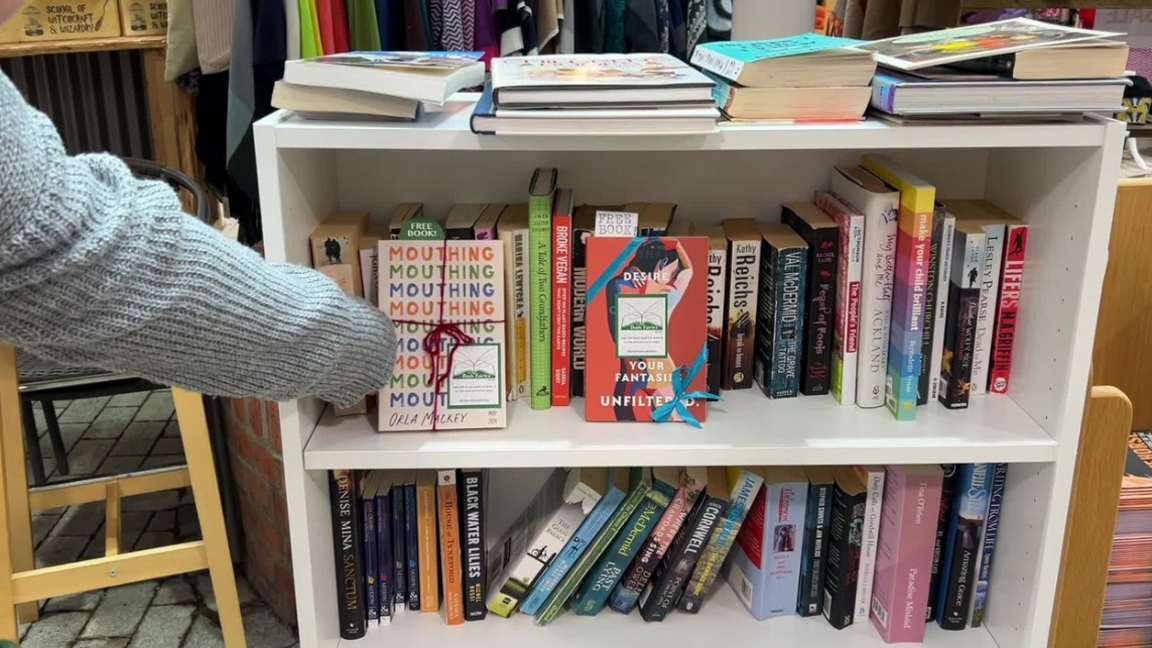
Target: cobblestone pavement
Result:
[116, 435]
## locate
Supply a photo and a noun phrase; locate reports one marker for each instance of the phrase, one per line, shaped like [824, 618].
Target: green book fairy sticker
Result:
[475, 382]
[641, 326]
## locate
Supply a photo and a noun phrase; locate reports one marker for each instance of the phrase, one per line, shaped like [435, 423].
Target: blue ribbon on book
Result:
[613, 268]
[681, 379]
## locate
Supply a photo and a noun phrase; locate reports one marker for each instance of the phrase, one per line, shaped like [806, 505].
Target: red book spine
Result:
[1006, 311]
[561, 308]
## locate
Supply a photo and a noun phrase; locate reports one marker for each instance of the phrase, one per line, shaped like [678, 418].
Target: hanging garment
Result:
[269, 33]
[436, 18]
[363, 30]
[468, 15]
[448, 24]
[292, 29]
[589, 26]
[517, 28]
[664, 26]
[181, 55]
[548, 24]
[695, 25]
[641, 26]
[310, 46]
[340, 26]
[487, 40]
[888, 18]
[677, 45]
[567, 43]
[213, 20]
[417, 30]
[614, 11]
[324, 20]
[719, 20]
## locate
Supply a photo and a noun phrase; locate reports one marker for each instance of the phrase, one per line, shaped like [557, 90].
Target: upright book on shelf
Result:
[779, 323]
[963, 309]
[963, 546]
[346, 533]
[427, 536]
[646, 316]
[928, 331]
[844, 538]
[740, 311]
[540, 192]
[562, 298]
[484, 229]
[947, 497]
[988, 544]
[583, 227]
[513, 233]
[943, 238]
[765, 568]
[995, 230]
[367, 504]
[814, 558]
[849, 275]
[450, 564]
[822, 234]
[412, 541]
[873, 478]
[461, 221]
[879, 203]
[717, 282]
[399, 542]
[474, 542]
[385, 560]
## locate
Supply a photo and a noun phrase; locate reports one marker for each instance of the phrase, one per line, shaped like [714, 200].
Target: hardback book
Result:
[473, 396]
[781, 316]
[339, 103]
[849, 275]
[367, 504]
[450, 553]
[844, 538]
[947, 497]
[513, 232]
[369, 261]
[598, 585]
[744, 242]
[602, 490]
[917, 201]
[1091, 59]
[385, 561]
[582, 79]
[640, 481]
[803, 61]
[988, 544]
[511, 563]
[745, 486]
[963, 310]
[873, 478]
[474, 543]
[646, 323]
[907, 537]
[412, 541]
[652, 219]
[399, 543]
[562, 298]
[403, 213]
[879, 203]
[348, 543]
[577, 501]
[928, 331]
[419, 76]
[426, 534]
[802, 104]
[540, 192]
[943, 240]
[1007, 310]
[583, 226]
[461, 219]
[990, 269]
[335, 245]
[817, 520]
[484, 229]
[947, 92]
[765, 568]
[822, 234]
[962, 550]
[717, 282]
[691, 482]
[671, 577]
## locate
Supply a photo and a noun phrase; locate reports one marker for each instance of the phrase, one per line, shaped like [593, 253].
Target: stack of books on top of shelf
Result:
[1127, 618]
[1011, 70]
[809, 77]
[595, 94]
[375, 85]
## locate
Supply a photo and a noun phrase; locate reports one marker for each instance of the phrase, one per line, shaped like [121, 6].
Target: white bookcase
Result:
[1060, 178]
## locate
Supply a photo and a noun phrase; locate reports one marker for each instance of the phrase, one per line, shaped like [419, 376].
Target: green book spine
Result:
[540, 298]
[563, 592]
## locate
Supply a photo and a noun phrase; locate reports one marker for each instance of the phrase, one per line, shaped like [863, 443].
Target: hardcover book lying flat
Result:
[907, 94]
[422, 76]
[591, 78]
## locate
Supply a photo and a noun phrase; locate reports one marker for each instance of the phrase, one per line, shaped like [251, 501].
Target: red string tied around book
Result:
[441, 333]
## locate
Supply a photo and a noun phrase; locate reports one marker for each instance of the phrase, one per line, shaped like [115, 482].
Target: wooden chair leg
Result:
[9, 420]
[56, 437]
[19, 514]
[202, 473]
[32, 442]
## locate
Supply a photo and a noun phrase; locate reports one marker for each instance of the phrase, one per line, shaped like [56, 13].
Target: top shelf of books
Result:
[447, 129]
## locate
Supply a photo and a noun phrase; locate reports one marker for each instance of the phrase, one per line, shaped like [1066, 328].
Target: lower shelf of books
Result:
[723, 619]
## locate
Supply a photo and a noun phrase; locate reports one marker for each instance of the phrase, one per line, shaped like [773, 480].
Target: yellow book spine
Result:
[426, 534]
[450, 547]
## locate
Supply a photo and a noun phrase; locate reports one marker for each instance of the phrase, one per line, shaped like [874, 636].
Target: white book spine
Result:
[849, 274]
[717, 63]
[986, 315]
[869, 542]
[943, 282]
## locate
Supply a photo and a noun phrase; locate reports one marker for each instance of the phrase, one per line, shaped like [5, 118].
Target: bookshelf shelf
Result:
[1059, 178]
[84, 45]
[745, 429]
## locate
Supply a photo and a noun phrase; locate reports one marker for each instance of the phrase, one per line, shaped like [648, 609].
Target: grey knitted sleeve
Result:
[100, 269]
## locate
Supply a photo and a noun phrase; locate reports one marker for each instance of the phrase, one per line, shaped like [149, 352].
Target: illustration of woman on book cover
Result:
[659, 267]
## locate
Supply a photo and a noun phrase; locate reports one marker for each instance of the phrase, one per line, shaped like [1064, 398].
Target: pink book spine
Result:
[904, 555]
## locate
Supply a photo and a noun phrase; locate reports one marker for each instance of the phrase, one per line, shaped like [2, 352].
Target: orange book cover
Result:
[450, 547]
[426, 536]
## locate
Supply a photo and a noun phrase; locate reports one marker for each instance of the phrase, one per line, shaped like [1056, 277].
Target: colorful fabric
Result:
[486, 39]
[340, 26]
[181, 56]
[363, 27]
[641, 26]
[310, 45]
[291, 29]
[614, 11]
[548, 24]
[695, 25]
[213, 20]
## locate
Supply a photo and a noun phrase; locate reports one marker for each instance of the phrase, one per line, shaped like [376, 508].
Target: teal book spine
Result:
[576, 574]
[540, 290]
[608, 571]
[571, 552]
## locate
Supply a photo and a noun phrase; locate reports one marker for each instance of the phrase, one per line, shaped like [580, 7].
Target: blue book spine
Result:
[961, 551]
[371, 570]
[384, 562]
[399, 549]
[568, 556]
[412, 546]
[991, 530]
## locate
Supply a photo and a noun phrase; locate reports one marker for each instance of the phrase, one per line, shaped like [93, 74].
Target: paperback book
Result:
[385, 559]
[740, 314]
[780, 334]
[427, 537]
[988, 544]
[367, 504]
[561, 298]
[513, 233]
[849, 276]
[540, 193]
[450, 565]
[717, 282]
[821, 233]
[474, 542]
[844, 538]
[817, 520]
[349, 554]
[583, 227]
[947, 496]
[873, 478]
[944, 229]
[1007, 310]
[965, 526]
[963, 309]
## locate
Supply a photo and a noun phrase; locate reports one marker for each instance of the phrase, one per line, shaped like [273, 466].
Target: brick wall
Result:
[258, 472]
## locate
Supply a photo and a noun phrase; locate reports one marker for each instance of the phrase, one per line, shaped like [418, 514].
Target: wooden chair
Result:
[1091, 520]
[22, 585]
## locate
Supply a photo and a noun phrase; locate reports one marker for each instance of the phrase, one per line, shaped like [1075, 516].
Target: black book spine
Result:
[399, 548]
[412, 546]
[474, 549]
[717, 282]
[580, 238]
[766, 346]
[998, 64]
[816, 355]
[459, 234]
[811, 600]
[348, 540]
[959, 345]
[668, 585]
[843, 557]
[947, 495]
[932, 289]
[371, 554]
